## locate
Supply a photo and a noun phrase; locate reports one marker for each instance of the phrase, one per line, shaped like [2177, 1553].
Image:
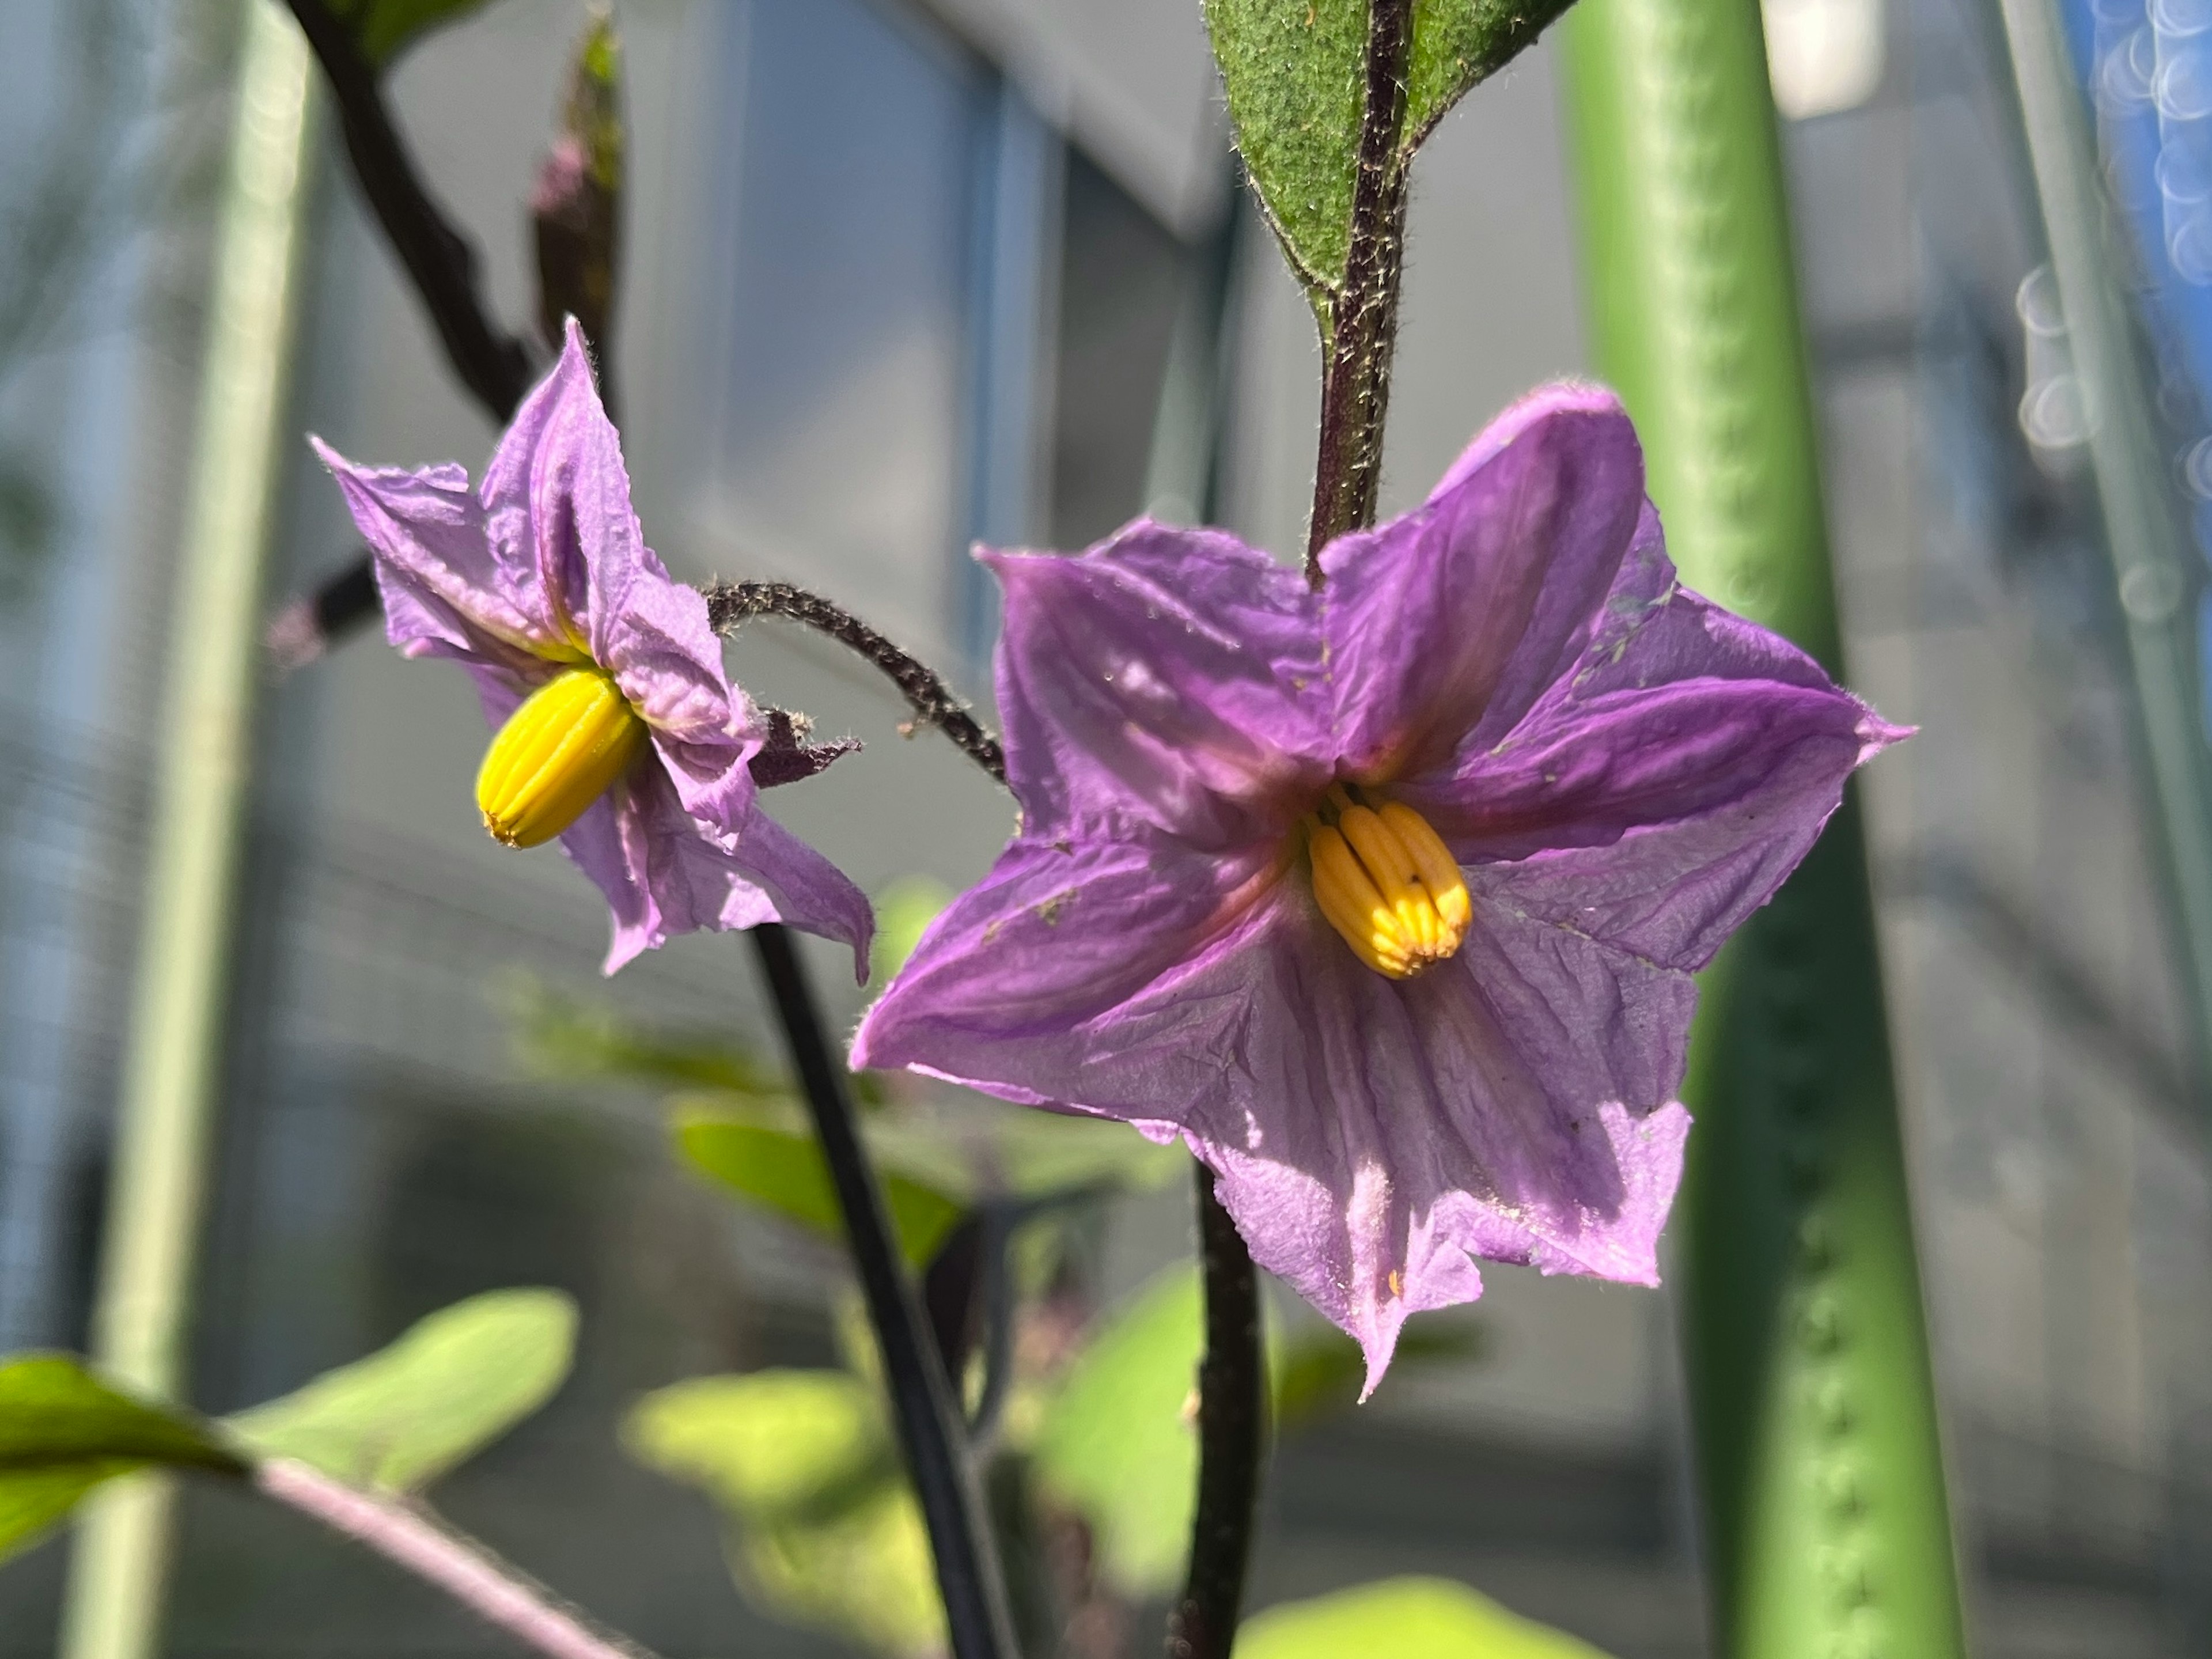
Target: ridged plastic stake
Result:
[172, 1056]
[1827, 1534]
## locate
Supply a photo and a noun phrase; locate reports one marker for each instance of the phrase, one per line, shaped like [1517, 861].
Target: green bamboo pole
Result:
[1826, 1531]
[171, 1064]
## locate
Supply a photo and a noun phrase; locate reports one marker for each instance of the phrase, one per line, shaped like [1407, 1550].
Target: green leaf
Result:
[385, 28]
[1406, 1619]
[63, 1431]
[452, 1384]
[1318, 1369]
[1296, 75]
[1118, 1443]
[903, 912]
[1293, 72]
[565, 1037]
[824, 1532]
[785, 1171]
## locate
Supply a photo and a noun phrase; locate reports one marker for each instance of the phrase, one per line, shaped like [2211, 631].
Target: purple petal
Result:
[1371, 1136]
[1659, 793]
[557, 501]
[1453, 619]
[665, 873]
[1024, 974]
[444, 594]
[1167, 679]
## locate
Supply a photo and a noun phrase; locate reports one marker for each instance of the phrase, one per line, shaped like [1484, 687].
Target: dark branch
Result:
[729, 603]
[1363, 314]
[1232, 1431]
[929, 1428]
[442, 265]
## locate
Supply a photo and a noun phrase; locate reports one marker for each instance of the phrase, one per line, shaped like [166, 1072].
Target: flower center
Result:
[558, 752]
[1387, 883]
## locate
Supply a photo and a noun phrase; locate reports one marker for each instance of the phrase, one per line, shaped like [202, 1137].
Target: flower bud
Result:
[558, 752]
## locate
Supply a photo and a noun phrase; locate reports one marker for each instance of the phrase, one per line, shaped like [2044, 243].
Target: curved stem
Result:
[1232, 1431]
[497, 1592]
[442, 265]
[929, 1428]
[729, 603]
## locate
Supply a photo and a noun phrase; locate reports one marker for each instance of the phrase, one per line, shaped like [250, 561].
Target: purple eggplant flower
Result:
[1385, 897]
[618, 728]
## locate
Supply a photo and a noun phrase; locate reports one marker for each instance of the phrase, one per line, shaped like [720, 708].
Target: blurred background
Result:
[905, 274]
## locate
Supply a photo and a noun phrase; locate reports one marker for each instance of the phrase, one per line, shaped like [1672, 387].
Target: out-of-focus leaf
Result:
[784, 1170]
[576, 208]
[452, 1384]
[822, 1530]
[1296, 75]
[1318, 1369]
[1404, 1618]
[63, 1431]
[903, 912]
[1118, 1443]
[570, 1039]
[385, 28]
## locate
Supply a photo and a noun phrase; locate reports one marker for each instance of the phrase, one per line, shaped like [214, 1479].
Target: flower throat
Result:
[1387, 883]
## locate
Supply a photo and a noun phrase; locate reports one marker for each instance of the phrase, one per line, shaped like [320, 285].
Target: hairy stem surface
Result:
[1362, 330]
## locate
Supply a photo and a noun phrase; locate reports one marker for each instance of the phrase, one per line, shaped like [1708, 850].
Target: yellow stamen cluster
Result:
[1388, 883]
[558, 752]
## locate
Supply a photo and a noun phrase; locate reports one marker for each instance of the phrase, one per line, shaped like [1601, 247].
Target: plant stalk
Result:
[1232, 1433]
[1362, 331]
[929, 1428]
[496, 1592]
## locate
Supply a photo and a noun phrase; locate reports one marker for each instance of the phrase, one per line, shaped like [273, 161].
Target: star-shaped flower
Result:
[1385, 897]
[618, 728]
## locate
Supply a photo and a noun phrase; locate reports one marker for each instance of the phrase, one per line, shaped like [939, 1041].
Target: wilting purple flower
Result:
[1443, 1054]
[618, 727]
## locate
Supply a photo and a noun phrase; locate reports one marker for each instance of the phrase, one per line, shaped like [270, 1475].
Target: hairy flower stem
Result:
[501, 1595]
[729, 603]
[930, 1434]
[1361, 330]
[1232, 1430]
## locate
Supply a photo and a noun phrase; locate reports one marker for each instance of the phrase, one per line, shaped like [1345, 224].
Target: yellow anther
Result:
[1388, 885]
[558, 752]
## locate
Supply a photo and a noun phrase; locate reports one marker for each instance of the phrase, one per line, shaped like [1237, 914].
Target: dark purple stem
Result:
[1232, 1433]
[729, 603]
[1362, 314]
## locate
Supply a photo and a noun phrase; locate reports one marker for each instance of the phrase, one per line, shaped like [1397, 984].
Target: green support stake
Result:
[172, 1060]
[1826, 1531]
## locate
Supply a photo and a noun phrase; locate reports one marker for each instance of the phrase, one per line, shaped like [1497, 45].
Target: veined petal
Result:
[1372, 1135]
[1457, 618]
[665, 873]
[556, 501]
[1018, 986]
[1662, 792]
[444, 594]
[1168, 679]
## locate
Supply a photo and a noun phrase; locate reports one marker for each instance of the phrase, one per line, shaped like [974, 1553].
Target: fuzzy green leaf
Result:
[385, 28]
[802, 1465]
[452, 1383]
[1293, 72]
[1296, 75]
[63, 1431]
[785, 1171]
[1406, 1619]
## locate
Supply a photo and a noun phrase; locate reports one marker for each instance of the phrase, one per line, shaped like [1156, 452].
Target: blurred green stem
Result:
[173, 1054]
[1826, 1527]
